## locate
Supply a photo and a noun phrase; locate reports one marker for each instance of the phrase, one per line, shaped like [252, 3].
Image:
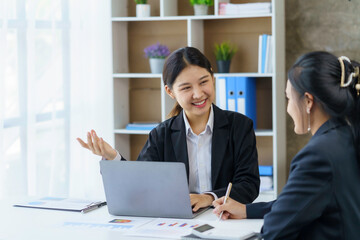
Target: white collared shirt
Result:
[199, 156]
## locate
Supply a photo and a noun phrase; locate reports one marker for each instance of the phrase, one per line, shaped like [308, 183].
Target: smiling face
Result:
[296, 109]
[194, 90]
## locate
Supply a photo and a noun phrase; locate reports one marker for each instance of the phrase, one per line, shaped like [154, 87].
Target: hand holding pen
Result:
[226, 207]
[228, 190]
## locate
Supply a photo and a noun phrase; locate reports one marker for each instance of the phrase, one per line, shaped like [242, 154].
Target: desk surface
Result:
[26, 223]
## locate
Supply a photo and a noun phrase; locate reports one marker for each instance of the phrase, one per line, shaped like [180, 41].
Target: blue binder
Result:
[230, 93]
[246, 97]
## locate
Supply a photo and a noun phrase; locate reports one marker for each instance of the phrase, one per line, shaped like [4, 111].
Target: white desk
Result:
[25, 223]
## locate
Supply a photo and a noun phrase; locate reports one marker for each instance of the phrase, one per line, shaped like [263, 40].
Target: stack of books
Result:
[245, 8]
[141, 126]
[266, 178]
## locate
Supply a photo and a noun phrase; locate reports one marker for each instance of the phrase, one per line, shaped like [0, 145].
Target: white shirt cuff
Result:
[213, 194]
[117, 158]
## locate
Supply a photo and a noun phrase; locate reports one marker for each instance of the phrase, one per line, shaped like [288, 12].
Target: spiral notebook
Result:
[63, 204]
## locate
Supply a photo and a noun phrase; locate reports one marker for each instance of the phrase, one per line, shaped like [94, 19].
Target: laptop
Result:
[147, 189]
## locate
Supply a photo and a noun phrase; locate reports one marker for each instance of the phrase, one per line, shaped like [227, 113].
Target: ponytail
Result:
[176, 110]
[355, 116]
[351, 73]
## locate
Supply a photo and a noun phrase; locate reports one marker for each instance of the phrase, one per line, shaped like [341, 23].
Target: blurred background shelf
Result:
[139, 95]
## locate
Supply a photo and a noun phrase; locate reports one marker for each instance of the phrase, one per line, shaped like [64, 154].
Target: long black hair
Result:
[178, 61]
[319, 73]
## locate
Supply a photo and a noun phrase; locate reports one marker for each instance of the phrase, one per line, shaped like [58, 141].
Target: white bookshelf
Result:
[139, 95]
[204, 17]
[258, 133]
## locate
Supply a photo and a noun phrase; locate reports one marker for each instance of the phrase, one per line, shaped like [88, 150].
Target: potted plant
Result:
[156, 54]
[201, 6]
[142, 8]
[223, 54]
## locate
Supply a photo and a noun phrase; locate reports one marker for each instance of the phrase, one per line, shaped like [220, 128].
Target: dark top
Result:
[321, 199]
[233, 154]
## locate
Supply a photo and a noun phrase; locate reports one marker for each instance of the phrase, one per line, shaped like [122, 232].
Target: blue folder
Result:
[246, 97]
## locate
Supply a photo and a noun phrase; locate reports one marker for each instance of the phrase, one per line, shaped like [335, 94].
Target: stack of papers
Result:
[245, 8]
[126, 224]
[141, 227]
[266, 178]
[166, 228]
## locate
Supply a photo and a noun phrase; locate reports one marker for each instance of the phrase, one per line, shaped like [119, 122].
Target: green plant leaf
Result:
[140, 1]
[202, 2]
[224, 51]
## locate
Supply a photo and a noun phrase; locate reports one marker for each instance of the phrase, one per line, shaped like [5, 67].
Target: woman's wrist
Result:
[112, 155]
[209, 198]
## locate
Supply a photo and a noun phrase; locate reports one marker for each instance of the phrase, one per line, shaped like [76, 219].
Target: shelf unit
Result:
[140, 96]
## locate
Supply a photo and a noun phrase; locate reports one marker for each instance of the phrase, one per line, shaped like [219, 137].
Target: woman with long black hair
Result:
[321, 199]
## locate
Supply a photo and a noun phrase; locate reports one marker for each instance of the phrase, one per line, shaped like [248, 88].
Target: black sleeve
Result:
[258, 210]
[150, 151]
[303, 199]
[246, 180]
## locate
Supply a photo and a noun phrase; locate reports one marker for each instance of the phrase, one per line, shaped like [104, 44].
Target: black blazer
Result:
[321, 199]
[233, 154]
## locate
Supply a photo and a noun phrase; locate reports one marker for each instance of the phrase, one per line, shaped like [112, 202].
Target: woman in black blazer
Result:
[216, 146]
[321, 199]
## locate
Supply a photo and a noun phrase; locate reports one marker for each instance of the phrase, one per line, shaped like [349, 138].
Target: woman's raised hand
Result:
[98, 146]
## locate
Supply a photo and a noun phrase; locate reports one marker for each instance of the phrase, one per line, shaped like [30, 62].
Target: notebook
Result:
[64, 204]
[147, 189]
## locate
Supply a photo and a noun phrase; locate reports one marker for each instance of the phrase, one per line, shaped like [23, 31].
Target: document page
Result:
[166, 228]
[122, 224]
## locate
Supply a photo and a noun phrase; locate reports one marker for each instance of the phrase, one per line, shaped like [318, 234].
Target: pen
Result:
[226, 197]
[93, 207]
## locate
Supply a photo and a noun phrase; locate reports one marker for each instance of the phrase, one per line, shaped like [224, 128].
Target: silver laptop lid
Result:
[148, 189]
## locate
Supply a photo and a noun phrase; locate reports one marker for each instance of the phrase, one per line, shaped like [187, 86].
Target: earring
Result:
[308, 112]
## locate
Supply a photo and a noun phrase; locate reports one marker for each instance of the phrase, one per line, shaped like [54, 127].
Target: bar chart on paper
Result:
[97, 225]
[164, 228]
[115, 224]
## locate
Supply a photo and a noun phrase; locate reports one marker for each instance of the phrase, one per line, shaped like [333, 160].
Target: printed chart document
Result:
[122, 224]
[165, 228]
[64, 204]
